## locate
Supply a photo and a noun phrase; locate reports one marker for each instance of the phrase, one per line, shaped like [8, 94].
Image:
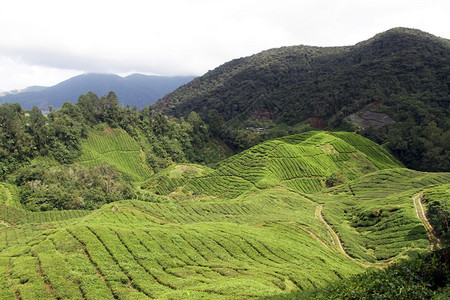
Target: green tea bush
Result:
[424, 277]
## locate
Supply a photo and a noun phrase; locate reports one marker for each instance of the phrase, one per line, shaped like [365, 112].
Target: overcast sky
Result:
[43, 42]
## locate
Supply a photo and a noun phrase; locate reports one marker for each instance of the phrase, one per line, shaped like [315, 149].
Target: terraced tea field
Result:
[262, 223]
[115, 147]
[301, 163]
[268, 244]
[375, 214]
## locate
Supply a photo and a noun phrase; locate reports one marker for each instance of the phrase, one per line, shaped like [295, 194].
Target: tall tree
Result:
[216, 123]
[38, 129]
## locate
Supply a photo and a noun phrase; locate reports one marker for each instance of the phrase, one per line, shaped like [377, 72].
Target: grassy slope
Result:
[373, 212]
[375, 215]
[301, 163]
[268, 244]
[253, 233]
[117, 148]
[424, 277]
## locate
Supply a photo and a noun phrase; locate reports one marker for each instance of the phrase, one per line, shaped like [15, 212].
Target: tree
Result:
[67, 126]
[112, 113]
[216, 123]
[38, 129]
[87, 104]
[160, 124]
[196, 122]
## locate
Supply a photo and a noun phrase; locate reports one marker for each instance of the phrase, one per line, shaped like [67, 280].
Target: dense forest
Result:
[401, 73]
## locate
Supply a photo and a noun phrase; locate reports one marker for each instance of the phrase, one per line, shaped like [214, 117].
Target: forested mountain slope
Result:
[402, 73]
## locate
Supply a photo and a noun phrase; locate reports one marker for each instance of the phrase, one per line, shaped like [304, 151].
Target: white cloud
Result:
[186, 37]
[15, 74]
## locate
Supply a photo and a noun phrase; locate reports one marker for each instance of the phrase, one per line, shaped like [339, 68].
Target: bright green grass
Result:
[439, 193]
[262, 246]
[169, 180]
[265, 243]
[301, 163]
[16, 216]
[379, 156]
[9, 195]
[375, 215]
[116, 148]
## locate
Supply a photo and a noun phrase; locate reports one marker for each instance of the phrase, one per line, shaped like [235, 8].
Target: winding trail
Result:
[420, 212]
[337, 242]
[334, 237]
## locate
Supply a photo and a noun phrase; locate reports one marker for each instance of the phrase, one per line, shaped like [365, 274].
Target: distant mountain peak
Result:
[135, 89]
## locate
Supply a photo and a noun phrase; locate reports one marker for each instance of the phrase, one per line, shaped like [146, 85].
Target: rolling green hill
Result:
[304, 163]
[116, 148]
[291, 214]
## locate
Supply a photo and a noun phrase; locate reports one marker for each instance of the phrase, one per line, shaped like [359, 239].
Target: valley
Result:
[262, 223]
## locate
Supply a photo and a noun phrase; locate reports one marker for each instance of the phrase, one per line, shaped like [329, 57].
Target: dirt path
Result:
[337, 242]
[420, 212]
[334, 237]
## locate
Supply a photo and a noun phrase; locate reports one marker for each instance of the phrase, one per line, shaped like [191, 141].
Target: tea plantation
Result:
[288, 215]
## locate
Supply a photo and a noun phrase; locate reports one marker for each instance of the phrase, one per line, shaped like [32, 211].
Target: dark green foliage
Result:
[438, 213]
[77, 133]
[166, 140]
[66, 128]
[402, 72]
[70, 187]
[424, 277]
[16, 146]
[38, 129]
[421, 143]
[25, 135]
[216, 123]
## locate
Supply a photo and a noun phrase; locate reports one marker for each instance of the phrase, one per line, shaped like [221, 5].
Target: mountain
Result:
[295, 83]
[34, 88]
[393, 88]
[135, 89]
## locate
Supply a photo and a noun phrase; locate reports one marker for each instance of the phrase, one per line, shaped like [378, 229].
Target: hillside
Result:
[304, 163]
[365, 193]
[401, 74]
[403, 280]
[135, 89]
[291, 214]
[116, 148]
[300, 82]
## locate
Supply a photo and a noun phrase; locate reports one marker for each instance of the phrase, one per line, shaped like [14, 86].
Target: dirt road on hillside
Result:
[434, 241]
[334, 236]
